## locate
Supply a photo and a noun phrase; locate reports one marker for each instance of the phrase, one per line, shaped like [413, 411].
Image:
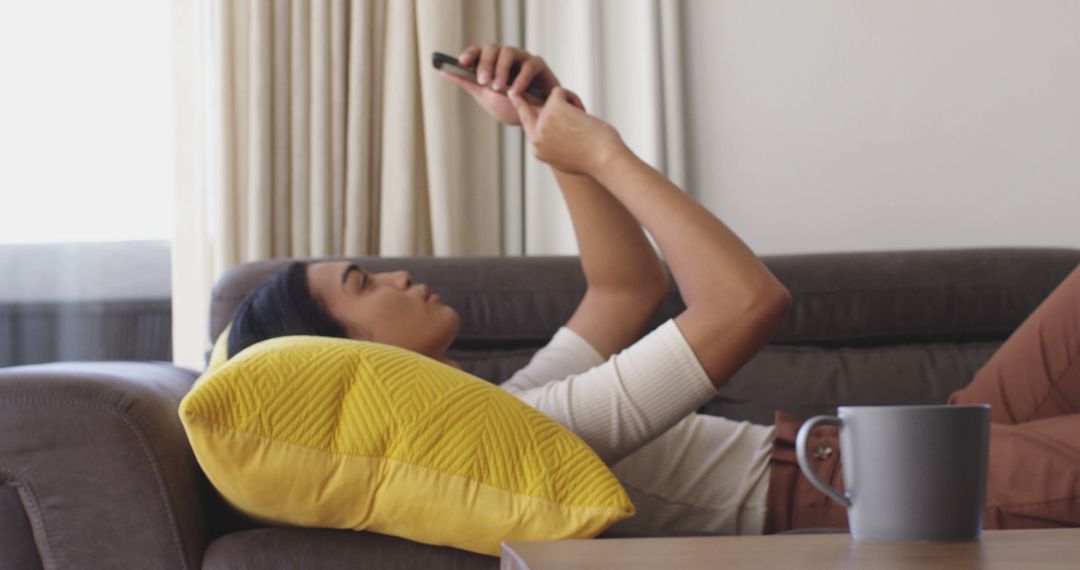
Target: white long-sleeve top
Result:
[686, 473]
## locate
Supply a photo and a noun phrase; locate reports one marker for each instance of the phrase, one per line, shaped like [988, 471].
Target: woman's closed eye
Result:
[361, 280]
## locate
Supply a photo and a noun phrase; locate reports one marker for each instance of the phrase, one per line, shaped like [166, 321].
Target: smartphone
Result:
[449, 64]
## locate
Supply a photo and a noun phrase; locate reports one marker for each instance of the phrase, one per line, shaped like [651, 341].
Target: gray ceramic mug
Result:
[910, 472]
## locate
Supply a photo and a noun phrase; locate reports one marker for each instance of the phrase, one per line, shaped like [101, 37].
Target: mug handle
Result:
[804, 462]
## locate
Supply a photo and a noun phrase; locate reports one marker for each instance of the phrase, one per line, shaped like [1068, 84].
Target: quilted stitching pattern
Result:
[357, 399]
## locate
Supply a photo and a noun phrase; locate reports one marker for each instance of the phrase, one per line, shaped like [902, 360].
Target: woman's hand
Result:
[494, 66]
[565, 136]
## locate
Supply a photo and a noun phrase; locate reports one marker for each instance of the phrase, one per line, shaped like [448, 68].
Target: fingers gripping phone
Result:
[449, 64]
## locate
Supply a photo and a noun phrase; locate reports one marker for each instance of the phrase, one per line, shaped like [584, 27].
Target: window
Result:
[86, 183]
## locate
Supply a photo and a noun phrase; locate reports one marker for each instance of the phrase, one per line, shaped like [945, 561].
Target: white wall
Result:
[840, 125]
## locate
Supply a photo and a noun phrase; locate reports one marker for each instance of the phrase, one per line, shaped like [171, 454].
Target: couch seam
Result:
[37, 520]
[140, 437]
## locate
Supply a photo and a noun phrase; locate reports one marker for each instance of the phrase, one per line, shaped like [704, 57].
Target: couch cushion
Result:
[510, 307]
[18, 549]
[866, 327]
[841, 299]
[289, 548]
[902, 297]
[806, 380]
[101, 462]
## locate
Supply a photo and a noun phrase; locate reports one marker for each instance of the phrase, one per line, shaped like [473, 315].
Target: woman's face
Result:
[384, 307]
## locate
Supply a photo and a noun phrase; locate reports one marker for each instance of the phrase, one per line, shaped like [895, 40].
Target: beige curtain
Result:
[312, 128]
[624, 58]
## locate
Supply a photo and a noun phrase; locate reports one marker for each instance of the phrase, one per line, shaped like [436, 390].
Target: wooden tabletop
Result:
[1027, 549]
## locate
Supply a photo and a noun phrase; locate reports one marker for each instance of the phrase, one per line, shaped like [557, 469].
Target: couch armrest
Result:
[101, 464]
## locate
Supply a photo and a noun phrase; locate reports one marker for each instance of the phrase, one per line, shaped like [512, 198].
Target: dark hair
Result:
[281, 306]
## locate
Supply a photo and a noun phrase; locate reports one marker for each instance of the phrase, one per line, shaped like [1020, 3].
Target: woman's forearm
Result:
[707, 259]
[615, 254]
[734, 305]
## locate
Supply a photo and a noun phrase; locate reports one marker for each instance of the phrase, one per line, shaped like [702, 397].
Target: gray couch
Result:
[95, 470]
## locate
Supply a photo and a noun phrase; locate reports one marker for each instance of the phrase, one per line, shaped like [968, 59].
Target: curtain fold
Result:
[326, 133]
[623, 58]
[361, 129]
[458, 191]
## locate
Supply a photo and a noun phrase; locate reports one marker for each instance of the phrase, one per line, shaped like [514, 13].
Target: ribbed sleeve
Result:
[566, 353]
[626, 402]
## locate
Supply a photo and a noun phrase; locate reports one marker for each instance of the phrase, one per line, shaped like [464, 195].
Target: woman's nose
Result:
[402, 279]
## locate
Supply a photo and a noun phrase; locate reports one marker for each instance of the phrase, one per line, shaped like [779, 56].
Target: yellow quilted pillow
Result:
[337, 433]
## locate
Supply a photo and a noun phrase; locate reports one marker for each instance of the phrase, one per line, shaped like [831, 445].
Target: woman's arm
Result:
[626, 281]
[733, 304]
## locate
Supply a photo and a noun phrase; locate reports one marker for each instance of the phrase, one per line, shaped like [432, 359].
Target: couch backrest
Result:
[865, 328]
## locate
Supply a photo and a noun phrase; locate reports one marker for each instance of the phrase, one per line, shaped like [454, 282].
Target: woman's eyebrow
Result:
[345, 274]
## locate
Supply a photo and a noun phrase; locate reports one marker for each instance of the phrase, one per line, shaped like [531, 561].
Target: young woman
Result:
[634, 402]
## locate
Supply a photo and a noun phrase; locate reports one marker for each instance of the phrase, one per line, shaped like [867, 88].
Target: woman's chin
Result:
[455, 322]
[453, 325]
